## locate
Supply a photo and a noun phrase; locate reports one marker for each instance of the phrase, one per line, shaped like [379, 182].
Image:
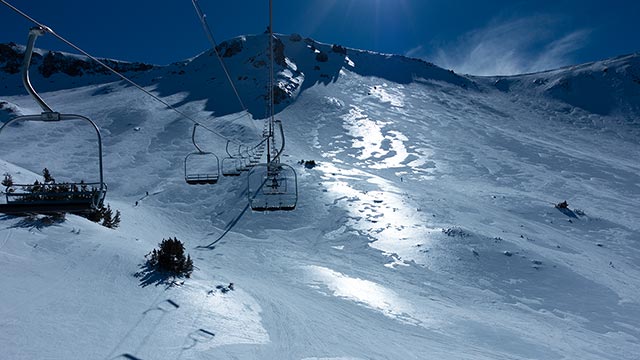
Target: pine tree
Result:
[188, 267]
[48, 179]
[170, 258]
[107, 217]
[116, 220]
[95, 215]
[37, 187]
[8, 182]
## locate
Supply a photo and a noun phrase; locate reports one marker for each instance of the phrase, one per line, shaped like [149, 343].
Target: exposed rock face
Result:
[53, 62]
[278, 52]
[10, 58]
[280, 95]
[230, 48]
[339, 49]
[322, 57]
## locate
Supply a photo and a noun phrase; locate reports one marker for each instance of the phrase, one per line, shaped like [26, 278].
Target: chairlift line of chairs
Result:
[271, 185]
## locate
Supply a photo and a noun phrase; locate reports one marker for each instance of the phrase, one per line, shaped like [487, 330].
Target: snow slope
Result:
[428, 229]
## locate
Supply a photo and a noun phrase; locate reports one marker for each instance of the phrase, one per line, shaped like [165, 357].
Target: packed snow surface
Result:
[427, 230]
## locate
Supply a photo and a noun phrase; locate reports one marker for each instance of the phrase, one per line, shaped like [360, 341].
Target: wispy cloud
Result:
[509, 47]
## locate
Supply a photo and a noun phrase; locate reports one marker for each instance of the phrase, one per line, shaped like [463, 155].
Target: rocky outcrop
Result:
[53, 62]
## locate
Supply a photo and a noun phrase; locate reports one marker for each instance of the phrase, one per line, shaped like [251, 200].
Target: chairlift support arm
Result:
[276, 158]
[26, 63]
[193, 138]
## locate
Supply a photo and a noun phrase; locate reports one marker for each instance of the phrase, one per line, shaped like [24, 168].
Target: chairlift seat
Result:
[272, 187]
[47, 202]
[201, 168]
[201, 179]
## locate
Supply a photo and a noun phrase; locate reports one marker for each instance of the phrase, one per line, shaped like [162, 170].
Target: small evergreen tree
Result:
[8, 182]
[37, 187]
[170, 258]
[116, 220]
[48, 179]
[107, 217]
[95, 215]
[104, 216]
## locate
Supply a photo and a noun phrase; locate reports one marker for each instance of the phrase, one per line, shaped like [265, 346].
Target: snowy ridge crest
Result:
[601, 87]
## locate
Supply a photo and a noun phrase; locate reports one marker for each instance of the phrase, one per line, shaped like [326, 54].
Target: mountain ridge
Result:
[304, 62]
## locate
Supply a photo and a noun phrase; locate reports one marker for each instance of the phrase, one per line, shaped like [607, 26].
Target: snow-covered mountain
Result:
[427, 230]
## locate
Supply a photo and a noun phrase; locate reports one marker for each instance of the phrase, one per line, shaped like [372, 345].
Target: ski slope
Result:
[427, 230]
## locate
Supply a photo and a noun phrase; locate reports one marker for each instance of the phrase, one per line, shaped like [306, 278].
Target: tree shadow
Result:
[570, 213]
[150, 275]
[37, 222]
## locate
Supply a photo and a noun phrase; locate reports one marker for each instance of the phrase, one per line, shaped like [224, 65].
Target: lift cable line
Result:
[214, 45]
[129, 81]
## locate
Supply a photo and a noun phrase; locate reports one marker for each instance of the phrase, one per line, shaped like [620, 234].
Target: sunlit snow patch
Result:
[367, 133]
[386, 95]
[381, 150]
[380, 210]
[349, 61]
[396, 151]
[365, 292]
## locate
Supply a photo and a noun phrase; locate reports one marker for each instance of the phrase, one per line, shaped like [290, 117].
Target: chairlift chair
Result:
[272, 187]
[46, 198]
[246, 156]
[201, 167]
[256, 152]
[231, 164]
[244, 165]
[254, 159]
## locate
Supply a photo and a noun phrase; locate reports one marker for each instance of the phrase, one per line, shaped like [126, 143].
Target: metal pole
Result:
[33, 35]
[270, 136]
[193, 139]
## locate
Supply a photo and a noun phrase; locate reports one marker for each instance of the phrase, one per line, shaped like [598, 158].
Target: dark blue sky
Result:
[469, 36]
